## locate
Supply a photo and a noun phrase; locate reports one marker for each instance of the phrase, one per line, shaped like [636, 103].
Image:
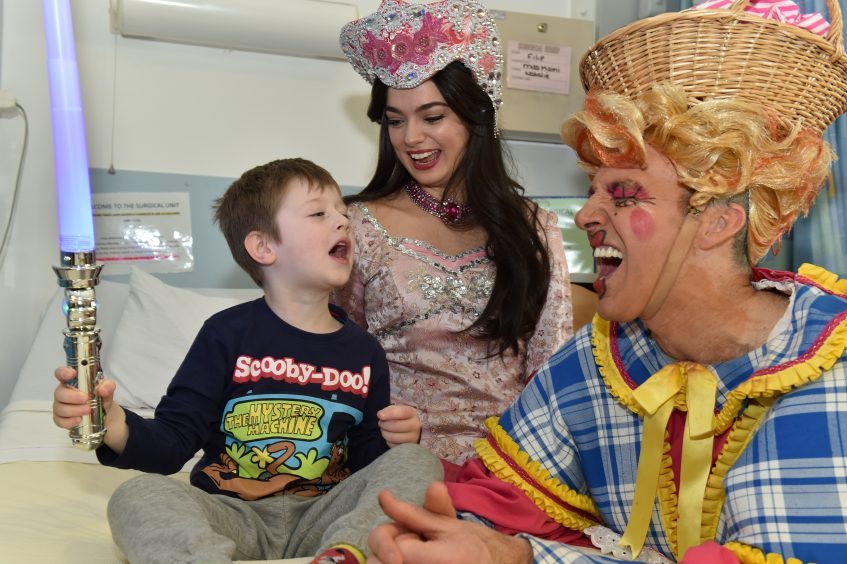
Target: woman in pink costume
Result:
[461, 278]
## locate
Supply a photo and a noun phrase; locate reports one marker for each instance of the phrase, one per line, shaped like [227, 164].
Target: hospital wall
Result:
[169, 109]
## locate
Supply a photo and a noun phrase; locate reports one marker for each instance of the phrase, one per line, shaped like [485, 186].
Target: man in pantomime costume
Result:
[703, 415]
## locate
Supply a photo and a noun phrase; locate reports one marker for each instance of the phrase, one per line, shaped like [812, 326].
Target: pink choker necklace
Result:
[447, 211]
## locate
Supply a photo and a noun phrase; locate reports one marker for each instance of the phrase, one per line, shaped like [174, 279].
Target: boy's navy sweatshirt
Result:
[275, 409]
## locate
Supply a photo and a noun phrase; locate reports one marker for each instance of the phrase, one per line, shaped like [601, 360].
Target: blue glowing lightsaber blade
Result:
[78, 273]
[73, 185]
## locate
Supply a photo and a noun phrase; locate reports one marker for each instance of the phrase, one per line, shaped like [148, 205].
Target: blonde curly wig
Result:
[720, 149]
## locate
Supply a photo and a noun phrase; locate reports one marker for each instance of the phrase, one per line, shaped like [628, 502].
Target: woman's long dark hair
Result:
[509, 219]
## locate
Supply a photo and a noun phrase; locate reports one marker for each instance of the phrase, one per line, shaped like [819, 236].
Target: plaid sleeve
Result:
[535, 421]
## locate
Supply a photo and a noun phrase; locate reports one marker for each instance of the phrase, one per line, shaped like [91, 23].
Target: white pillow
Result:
[154, 333]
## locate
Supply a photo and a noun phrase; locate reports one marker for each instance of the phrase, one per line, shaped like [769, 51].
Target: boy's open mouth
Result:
[340, 250]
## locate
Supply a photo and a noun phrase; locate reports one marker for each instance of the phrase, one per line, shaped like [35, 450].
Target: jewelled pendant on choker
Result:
[448, 211]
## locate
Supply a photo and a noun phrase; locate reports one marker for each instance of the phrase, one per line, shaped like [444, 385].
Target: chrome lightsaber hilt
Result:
[78, 274]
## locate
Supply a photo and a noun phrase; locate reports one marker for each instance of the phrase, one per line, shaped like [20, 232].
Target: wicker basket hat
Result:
[728, 53]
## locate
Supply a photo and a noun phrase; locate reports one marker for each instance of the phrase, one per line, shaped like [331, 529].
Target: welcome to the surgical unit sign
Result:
[148, 230]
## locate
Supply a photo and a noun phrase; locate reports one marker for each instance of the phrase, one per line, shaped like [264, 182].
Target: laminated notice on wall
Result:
[539, 67]
[148, 230]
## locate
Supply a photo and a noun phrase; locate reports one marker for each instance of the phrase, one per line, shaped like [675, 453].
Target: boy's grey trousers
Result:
[157, 519]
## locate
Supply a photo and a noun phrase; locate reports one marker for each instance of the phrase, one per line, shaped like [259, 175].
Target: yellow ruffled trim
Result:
[736, 442]
[750, 555]
[668, 500]
[775, 384]
[500, 468]
[601, 347]
[823, 278]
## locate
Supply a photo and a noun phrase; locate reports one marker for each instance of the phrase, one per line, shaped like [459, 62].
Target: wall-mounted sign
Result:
[149, 230]
[538, 67]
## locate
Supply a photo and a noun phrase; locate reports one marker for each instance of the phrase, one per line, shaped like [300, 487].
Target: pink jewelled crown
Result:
[404, 44]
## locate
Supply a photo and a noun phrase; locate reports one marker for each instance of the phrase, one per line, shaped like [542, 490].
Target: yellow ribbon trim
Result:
[747, 554]
[550, 505]
[657, 397]
[696, 455]
[667, 496]
[762, 391]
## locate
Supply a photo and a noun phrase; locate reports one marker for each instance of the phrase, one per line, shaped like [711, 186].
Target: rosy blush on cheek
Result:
[642, 224]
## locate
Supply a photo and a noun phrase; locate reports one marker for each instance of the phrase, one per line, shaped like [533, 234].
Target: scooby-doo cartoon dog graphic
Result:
[276, 478]
[335, 472]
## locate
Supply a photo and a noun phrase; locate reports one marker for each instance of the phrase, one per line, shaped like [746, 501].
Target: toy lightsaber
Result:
[78, 275]
[77, 272]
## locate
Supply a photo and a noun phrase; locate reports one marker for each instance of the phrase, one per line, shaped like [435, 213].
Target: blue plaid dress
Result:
[572, 440]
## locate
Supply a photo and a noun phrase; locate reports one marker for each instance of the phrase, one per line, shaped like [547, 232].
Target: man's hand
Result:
[433, 535]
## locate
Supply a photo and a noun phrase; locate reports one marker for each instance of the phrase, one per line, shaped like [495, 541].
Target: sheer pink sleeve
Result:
[351, 297]
[555, 326]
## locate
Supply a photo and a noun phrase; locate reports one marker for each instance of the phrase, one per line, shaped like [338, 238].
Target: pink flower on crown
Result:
[378, 53]
[403, 47]
[432, 32]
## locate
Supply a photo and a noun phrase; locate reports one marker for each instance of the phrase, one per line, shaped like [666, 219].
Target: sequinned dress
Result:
[416, 299]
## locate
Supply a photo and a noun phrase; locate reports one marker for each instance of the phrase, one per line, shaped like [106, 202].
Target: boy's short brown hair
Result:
[251, 204]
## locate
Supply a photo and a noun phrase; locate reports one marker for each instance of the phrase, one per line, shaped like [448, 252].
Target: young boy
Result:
[285, 396]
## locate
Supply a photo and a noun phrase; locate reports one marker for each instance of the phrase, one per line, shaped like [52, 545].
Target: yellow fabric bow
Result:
[657, 397]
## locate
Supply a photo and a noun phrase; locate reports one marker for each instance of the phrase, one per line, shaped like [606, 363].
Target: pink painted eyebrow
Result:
[620, 189]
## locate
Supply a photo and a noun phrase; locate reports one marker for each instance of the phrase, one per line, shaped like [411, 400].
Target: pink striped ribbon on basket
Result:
[783, 11]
